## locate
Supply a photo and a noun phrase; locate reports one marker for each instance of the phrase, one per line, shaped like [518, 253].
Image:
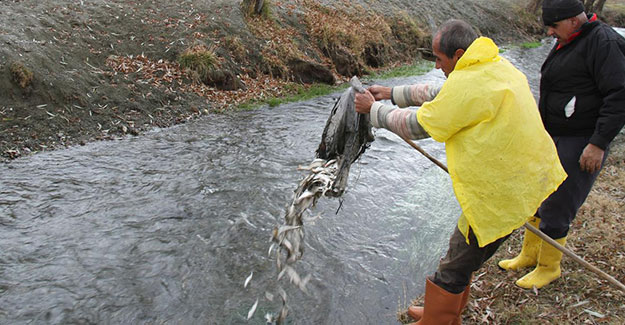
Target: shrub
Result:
[21, 75]
[198, 58]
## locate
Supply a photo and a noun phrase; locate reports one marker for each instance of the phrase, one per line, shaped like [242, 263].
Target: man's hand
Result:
[380, 92]
[591, 158]
[363, 102]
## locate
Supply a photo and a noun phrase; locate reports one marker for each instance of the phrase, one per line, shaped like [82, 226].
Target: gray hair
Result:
[455, 34]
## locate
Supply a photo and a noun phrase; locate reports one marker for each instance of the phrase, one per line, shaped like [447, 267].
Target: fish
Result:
[252, 310]
[248, 279]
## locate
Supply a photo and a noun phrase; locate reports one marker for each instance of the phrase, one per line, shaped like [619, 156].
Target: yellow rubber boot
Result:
[547, 269]
[529, 250]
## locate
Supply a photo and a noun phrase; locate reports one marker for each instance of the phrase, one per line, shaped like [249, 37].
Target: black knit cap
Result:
[556, 10]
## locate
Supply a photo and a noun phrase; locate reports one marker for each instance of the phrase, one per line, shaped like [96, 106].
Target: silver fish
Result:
[248, 279]
[252, 310]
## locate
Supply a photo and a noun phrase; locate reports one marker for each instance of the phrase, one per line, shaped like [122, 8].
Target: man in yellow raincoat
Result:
[501, 160]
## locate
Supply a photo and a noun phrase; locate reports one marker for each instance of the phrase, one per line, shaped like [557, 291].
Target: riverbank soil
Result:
[77, 71]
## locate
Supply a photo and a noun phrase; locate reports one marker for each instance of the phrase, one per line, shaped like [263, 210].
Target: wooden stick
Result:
[427, 155]
[536, 231]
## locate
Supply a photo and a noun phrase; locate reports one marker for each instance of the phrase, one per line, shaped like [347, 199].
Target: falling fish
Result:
[279, 230]
[252, 310]
[248, 279]
[345, 137]
[271, 247]
[314, 164]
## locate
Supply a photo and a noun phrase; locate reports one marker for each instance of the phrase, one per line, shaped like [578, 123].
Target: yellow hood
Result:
[481, 50]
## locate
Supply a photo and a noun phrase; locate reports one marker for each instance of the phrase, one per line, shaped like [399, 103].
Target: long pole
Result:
[533, 229]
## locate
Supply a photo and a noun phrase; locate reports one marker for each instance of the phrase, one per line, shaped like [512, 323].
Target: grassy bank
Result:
[294, 92]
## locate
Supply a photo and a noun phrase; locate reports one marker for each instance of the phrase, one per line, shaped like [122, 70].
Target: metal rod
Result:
[533, 229]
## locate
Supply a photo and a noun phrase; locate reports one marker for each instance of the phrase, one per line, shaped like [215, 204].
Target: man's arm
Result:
[404, 96]
[609, 71]
[402, 122]
[414, 95]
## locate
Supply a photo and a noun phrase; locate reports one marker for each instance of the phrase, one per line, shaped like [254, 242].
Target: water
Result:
[166, 227]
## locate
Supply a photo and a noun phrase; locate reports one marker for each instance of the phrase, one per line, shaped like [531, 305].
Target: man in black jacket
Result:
[582, 105]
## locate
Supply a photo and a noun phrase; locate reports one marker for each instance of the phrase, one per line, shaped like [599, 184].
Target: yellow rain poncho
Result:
[501, 160]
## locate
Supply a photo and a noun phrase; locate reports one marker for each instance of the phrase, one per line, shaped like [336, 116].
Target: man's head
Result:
[563, 18]
[450, 42]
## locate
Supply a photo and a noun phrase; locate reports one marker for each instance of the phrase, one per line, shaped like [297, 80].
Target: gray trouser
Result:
[559, 209]
[462, 259]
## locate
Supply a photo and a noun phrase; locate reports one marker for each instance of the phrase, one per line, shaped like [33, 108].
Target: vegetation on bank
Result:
[531, 45]
[295, 92]
[21, 75]
[418, 68]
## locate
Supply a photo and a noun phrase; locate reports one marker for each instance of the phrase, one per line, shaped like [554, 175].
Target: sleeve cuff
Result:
[398, 96]
[599, 141]
[375, 107]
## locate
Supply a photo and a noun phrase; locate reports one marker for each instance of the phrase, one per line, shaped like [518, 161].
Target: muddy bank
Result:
[76, 71]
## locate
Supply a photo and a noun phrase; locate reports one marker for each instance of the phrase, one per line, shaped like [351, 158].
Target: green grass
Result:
[296, 93]
[531, 45]
[419, 68]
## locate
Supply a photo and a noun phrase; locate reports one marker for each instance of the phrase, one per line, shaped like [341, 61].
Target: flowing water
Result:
[166, 227]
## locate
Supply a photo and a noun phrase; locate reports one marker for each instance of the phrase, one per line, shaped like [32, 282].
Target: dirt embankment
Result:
[75, 71]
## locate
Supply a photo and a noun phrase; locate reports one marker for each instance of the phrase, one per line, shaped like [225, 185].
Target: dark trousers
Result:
[462, 259]
[559, 209]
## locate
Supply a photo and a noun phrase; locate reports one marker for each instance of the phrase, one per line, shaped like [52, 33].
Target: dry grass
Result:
[341, 27]
[199, 59]
[21, 75]
[344, 27]
[579, 296]
[248, 7]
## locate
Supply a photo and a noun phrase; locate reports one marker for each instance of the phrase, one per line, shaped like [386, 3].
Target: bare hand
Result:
[363, 102]
[380, 92]
[591, 158]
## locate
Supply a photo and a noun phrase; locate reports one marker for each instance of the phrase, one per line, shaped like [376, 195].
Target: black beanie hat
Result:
[556, 10]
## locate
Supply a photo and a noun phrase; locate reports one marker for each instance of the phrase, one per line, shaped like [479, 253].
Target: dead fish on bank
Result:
[345, 137]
